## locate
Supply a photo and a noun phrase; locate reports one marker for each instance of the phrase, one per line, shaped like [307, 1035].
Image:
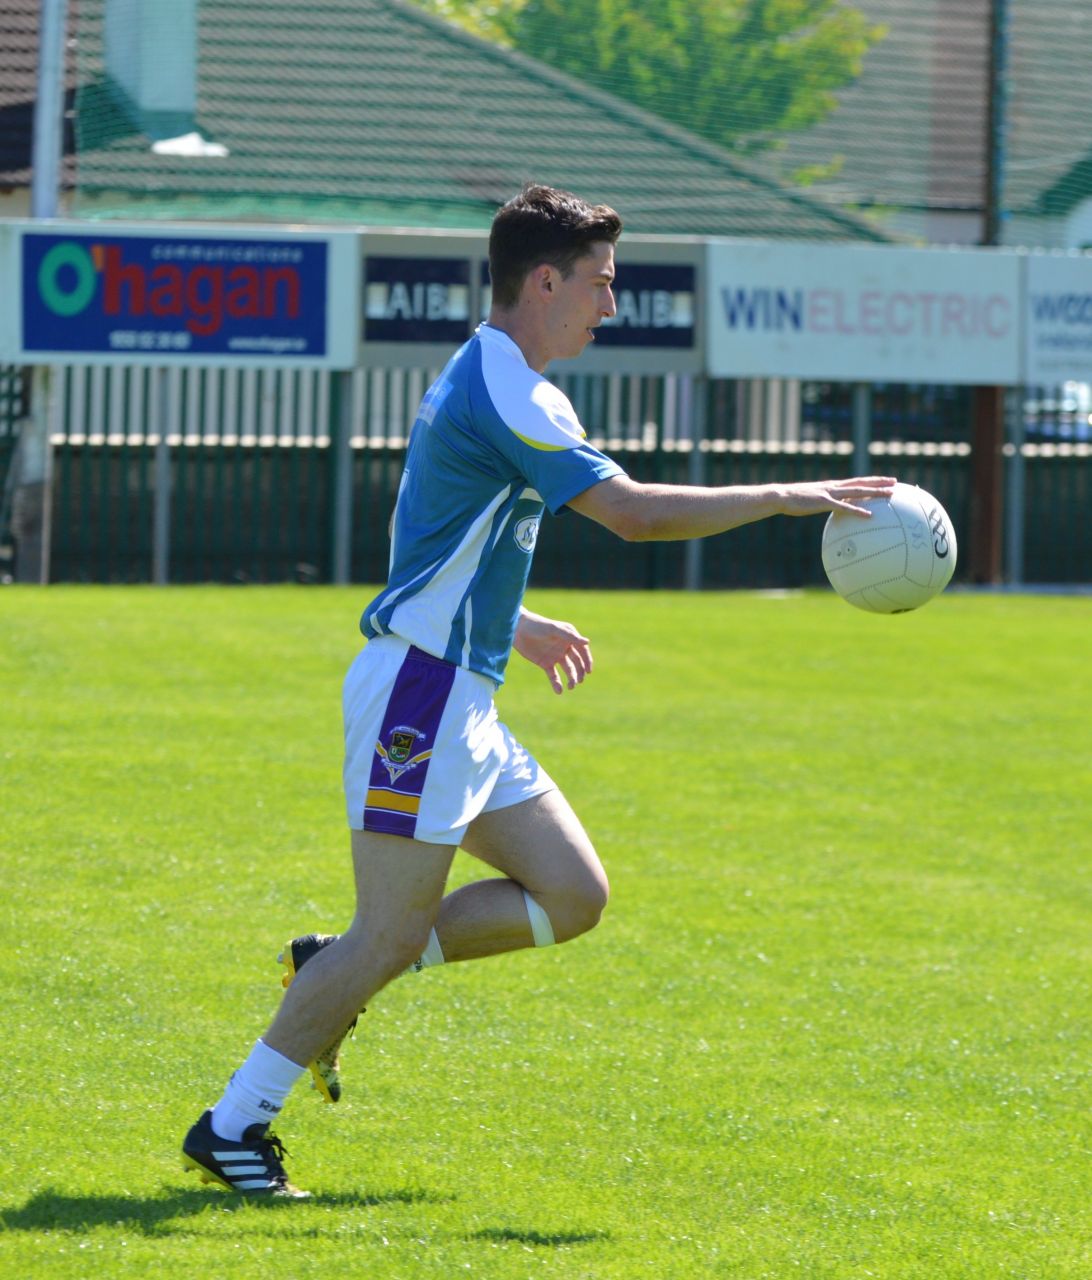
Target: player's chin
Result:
[580, 342]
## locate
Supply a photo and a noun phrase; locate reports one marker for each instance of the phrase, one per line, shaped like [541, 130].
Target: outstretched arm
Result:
[552, 645]
[665, 512]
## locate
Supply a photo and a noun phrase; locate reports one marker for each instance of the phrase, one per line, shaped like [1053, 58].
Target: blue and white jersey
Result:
[493, 443]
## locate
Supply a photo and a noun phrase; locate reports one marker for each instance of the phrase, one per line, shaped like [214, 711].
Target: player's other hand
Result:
[815, 497]
[557, 647]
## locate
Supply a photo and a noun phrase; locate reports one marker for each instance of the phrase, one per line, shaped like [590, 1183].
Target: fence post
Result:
[341, 424]
[862, 428]
[32, 494]
[693, 393]
[987, 491]
[1015, 502]
[161, 496]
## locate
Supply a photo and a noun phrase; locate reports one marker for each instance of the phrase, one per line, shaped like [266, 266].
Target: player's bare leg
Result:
[544, 853]
[399, 884]
[553, 889]
[542, 848]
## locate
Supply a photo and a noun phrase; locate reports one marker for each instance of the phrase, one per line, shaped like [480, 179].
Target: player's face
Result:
[583, 301]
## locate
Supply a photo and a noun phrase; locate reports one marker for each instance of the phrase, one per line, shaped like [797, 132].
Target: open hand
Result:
[816, 496]
[557, 647]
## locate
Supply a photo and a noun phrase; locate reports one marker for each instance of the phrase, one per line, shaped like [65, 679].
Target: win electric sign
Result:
[170, 296]
[856, 313]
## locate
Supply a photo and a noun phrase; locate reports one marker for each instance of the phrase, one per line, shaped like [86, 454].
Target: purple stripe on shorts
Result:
[407, 739]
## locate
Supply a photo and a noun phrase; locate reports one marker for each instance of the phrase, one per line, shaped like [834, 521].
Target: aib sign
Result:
[655, 307]
[416, 300]
[654, 301]
[174, 295]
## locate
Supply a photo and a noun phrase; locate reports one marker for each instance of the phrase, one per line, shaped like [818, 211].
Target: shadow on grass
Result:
[550, 1239]
[156, 1214]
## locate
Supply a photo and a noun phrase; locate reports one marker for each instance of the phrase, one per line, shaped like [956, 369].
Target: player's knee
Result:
[395, 947]
[579, 909]
[406, 949]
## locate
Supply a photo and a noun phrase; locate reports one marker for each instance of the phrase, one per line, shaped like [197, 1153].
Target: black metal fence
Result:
[252, 472]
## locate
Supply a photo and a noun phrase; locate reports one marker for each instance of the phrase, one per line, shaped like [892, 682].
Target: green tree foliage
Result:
[737, 72]
[489, 19]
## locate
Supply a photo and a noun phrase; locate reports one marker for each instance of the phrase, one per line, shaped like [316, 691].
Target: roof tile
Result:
[355, 108]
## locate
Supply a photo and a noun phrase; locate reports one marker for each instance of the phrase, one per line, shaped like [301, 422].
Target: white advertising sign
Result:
[1058, 319]
[850, 313]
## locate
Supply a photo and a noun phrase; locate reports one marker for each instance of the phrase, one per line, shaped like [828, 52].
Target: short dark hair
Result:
[543, 224]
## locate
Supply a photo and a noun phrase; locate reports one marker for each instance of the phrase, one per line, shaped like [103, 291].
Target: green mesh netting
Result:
[796, 118]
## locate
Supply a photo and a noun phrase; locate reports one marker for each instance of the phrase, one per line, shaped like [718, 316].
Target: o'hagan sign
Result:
[863, 314]
[156, 297]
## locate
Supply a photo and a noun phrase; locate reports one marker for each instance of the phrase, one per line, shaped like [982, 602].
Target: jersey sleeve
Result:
[544, 440]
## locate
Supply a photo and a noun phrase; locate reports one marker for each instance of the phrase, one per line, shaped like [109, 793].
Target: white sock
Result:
[541, 929]
[432, 954]
[255, 1093]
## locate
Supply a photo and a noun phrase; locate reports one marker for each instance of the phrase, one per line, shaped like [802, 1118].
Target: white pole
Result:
[48, 149]
[35, 480]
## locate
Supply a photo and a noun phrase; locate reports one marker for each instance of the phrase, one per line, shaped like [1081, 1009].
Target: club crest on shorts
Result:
[396, 756]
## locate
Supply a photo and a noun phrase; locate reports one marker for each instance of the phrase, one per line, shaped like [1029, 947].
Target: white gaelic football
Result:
[897, 559]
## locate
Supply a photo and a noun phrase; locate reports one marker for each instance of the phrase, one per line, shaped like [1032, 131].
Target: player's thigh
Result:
[541, 843]
[399, 886]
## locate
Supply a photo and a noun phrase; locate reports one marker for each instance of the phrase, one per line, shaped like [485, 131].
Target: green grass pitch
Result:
[835, 1023]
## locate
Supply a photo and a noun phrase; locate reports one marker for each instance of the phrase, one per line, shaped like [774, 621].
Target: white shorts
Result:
[425, 753]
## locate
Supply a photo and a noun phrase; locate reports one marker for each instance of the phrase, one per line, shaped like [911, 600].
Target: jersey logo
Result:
[396, 757]
[526, 533]
[434, 398]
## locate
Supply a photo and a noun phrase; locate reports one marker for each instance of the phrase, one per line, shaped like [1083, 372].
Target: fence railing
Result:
[235, 475]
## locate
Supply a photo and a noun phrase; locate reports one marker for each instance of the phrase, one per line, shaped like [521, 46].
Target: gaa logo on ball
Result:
[897, 559]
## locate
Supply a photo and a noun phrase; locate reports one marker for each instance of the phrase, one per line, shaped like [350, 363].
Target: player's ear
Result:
[537, 282]
[544, 277]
